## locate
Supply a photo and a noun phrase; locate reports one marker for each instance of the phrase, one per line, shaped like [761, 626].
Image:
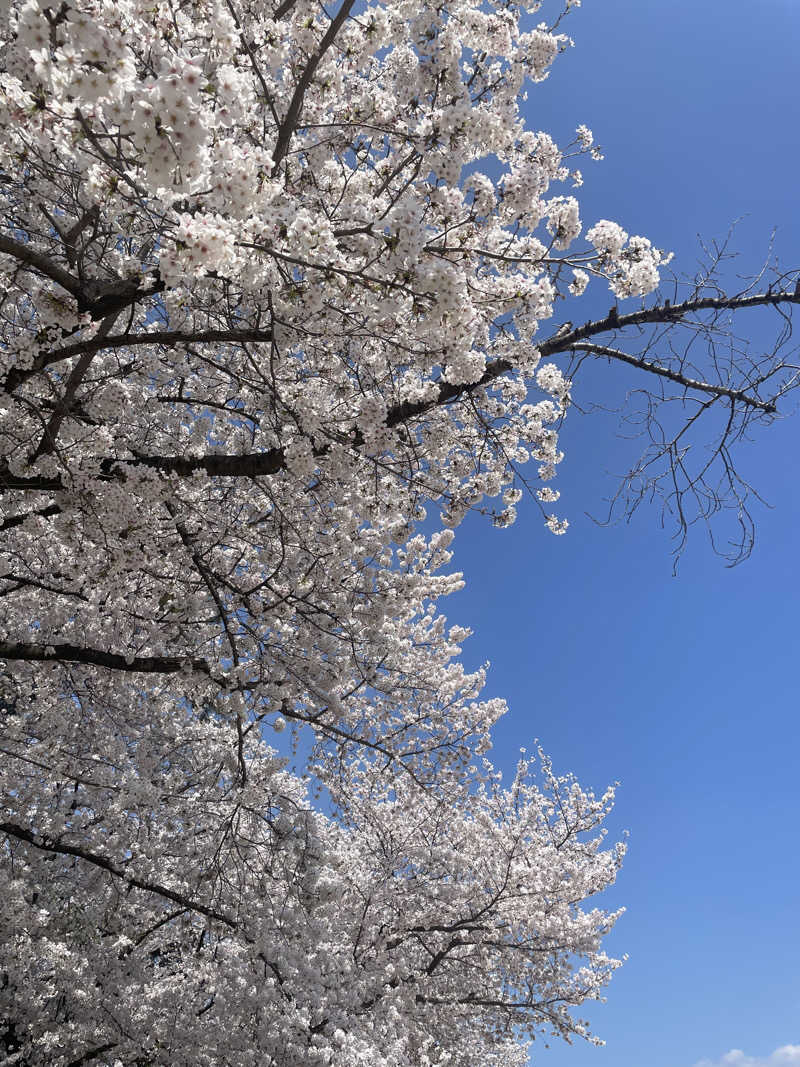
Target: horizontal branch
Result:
[67, 653]
[166, 338]
[273, 460]
[613, 322]
[664, 313]
[674, 376]
[17, 520]
[471, 1001]
[250, 465]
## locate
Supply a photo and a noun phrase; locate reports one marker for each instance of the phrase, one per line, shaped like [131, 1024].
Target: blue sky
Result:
[682, 688]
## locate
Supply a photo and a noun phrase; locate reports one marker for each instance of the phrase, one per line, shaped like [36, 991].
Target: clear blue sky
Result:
[683, 688]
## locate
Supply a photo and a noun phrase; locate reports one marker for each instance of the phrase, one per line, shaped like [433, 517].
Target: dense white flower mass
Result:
[607, 237]
[269, 332]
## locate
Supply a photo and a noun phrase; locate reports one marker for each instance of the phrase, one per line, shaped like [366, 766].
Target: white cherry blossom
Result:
[279, 287]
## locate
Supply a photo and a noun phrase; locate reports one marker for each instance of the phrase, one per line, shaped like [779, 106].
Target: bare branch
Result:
[767, 407]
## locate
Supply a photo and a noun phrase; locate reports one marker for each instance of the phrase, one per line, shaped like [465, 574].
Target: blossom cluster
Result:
[271, 329]
[631, 264]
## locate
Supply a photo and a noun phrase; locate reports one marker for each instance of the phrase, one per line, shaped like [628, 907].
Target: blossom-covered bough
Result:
[264, 319]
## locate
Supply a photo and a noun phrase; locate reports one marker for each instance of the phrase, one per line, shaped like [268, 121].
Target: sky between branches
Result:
[684, 689]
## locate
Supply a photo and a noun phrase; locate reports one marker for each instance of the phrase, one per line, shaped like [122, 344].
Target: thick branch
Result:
[41, 263]
[563, 342]
[99, 298]
[273, 460]
[17, 520]
[91, 1054]
[60, 848]
[251, 465]
[103, 298]
[283, 8]
[293, 112]
[65, 653]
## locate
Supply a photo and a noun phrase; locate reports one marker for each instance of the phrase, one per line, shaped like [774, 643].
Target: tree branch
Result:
[17, 520]
[252, 465]
[60, 848]
[612, 322]
[282, 9]
[91, 1054]
[273, 460]
[66, 653]
[293, 112]
[47, 442]
[41, 263]
[168, 338]
[675, 376]
[666, 313]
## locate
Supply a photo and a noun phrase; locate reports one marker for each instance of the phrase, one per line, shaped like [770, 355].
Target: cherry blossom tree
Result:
[282, 302]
